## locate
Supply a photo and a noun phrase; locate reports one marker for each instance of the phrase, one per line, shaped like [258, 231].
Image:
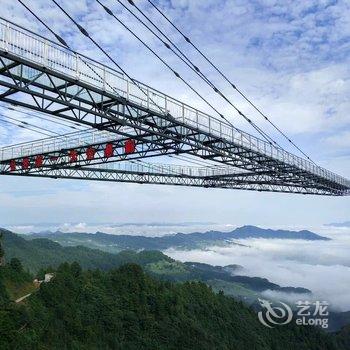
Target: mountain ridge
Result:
[114, 243]
[39, 253]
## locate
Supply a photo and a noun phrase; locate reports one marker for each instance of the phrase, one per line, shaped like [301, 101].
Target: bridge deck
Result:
[72, 86]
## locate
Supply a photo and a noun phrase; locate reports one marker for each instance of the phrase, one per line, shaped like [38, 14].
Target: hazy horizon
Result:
[154, 229]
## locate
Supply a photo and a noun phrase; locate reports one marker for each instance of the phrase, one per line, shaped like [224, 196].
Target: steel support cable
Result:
[60, 39]
[162, 60]
[41, 113]
[179, 53]
[40, 117]
[63, 42]
[29, 124]
[73, 126]
[184, 58]
[266, 137]
[22, 126]
[187, 160]
[162, 166]
[225, 77]
[84, 32]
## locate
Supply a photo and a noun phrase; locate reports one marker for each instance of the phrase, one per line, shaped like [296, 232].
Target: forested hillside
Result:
[126, 309]
[42, 253]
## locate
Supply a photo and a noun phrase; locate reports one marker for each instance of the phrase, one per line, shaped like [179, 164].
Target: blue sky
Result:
[290, 57]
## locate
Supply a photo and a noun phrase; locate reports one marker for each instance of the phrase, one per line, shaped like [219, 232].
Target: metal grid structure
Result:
[43, 76]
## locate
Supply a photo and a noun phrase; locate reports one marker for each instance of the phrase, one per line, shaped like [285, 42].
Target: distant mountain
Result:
[115, 243]
[206, 272]
[41, 252]
[257, 232]
[338, 320]
[339, 224]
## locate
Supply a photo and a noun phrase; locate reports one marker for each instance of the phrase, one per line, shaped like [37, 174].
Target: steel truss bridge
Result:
[127, 123]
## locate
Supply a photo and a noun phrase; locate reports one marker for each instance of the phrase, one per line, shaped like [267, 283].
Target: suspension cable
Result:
[41, 113]
[22, 126]
[193, 161]
[60, 39]
[188, 40]
[163, 61]
[64, 43]
[29, 124]
[85, 33]
[267, 138]
[187, 61]
[40, 117]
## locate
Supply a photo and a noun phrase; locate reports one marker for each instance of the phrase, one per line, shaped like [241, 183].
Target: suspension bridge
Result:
[120, 122]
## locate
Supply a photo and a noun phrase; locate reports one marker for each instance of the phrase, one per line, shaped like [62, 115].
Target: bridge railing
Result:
[89, 137]
[56, 143]
[141, 167]
[30, 46]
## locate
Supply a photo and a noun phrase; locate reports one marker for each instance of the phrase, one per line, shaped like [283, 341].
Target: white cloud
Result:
[339, 141]
[321, 266]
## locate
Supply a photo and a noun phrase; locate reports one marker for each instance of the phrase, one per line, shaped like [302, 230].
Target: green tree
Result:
[76, 269]
[125, 308]
[16, 265]
[2, 253]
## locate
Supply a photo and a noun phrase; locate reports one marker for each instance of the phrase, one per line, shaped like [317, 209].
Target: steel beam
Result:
[49, 78]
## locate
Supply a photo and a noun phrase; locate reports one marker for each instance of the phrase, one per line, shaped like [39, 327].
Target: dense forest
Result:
[149, 302]
[125, 308]
[42, 252]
